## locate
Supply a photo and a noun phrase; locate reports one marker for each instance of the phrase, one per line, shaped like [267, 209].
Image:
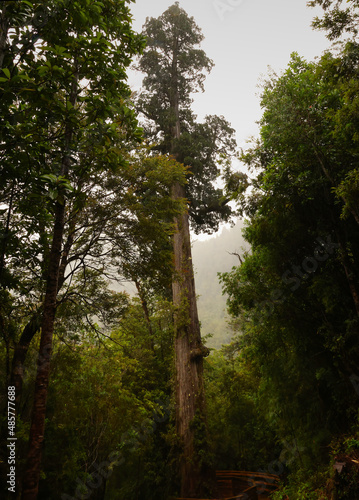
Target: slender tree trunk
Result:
[34, 325]
[19, 356]
[33, 466]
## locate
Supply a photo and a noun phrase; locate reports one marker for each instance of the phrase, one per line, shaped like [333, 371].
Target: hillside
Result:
[211, 257]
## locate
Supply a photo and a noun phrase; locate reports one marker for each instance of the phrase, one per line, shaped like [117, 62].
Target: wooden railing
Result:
[239, 482]
[244, 485]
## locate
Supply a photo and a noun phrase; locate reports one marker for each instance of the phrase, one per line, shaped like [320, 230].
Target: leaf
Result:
[53, 194]
[49, 178]
[6, 72]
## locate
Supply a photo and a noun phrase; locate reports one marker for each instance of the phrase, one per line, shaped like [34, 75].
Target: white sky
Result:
[243, 38]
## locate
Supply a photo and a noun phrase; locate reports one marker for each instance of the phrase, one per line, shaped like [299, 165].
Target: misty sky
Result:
[243, 38]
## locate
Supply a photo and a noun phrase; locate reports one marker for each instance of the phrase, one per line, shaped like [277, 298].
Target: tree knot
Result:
[199, 352]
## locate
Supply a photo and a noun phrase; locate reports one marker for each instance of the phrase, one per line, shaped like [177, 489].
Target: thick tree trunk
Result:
[196, 477]
[189, 353]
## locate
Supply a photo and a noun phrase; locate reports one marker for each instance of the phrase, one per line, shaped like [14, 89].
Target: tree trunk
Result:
[33, 466]
[189, 353]
[195, 475]
[33, 326]
[19, 356]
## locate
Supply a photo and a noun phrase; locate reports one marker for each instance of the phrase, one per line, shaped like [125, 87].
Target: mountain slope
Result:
[209, 258]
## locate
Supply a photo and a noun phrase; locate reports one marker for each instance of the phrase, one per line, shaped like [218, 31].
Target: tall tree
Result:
[174, 69]
[73, 59]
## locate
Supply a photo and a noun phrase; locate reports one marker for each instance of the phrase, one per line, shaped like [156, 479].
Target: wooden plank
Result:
[265, 483]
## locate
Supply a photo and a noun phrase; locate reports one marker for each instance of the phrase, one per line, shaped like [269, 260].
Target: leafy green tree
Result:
[296, 292]
[174, 68]
[56, 119]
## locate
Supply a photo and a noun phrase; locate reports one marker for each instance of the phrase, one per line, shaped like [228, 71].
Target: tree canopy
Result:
[174, 70]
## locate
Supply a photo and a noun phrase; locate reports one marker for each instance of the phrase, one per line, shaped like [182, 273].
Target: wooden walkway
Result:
[244, 485]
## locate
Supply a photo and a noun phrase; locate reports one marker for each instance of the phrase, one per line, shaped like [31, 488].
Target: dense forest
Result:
[110, 395]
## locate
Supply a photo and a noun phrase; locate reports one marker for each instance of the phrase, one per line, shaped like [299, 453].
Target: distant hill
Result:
[210, 257]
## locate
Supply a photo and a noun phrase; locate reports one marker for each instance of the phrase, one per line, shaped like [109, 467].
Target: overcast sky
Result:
[243, 38]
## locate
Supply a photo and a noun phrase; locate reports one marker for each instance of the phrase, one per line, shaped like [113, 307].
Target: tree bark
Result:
[19, 356]
[189, 353]
[34, 325]
[33, 466]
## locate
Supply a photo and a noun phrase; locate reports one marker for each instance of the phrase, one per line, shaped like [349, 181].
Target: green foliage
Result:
[241, 438]
[58, 137]
[295, 294]
[281, 394]
[304, 486]
[110, 395]
[172, 64]
[174, 69]
[337, 20]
